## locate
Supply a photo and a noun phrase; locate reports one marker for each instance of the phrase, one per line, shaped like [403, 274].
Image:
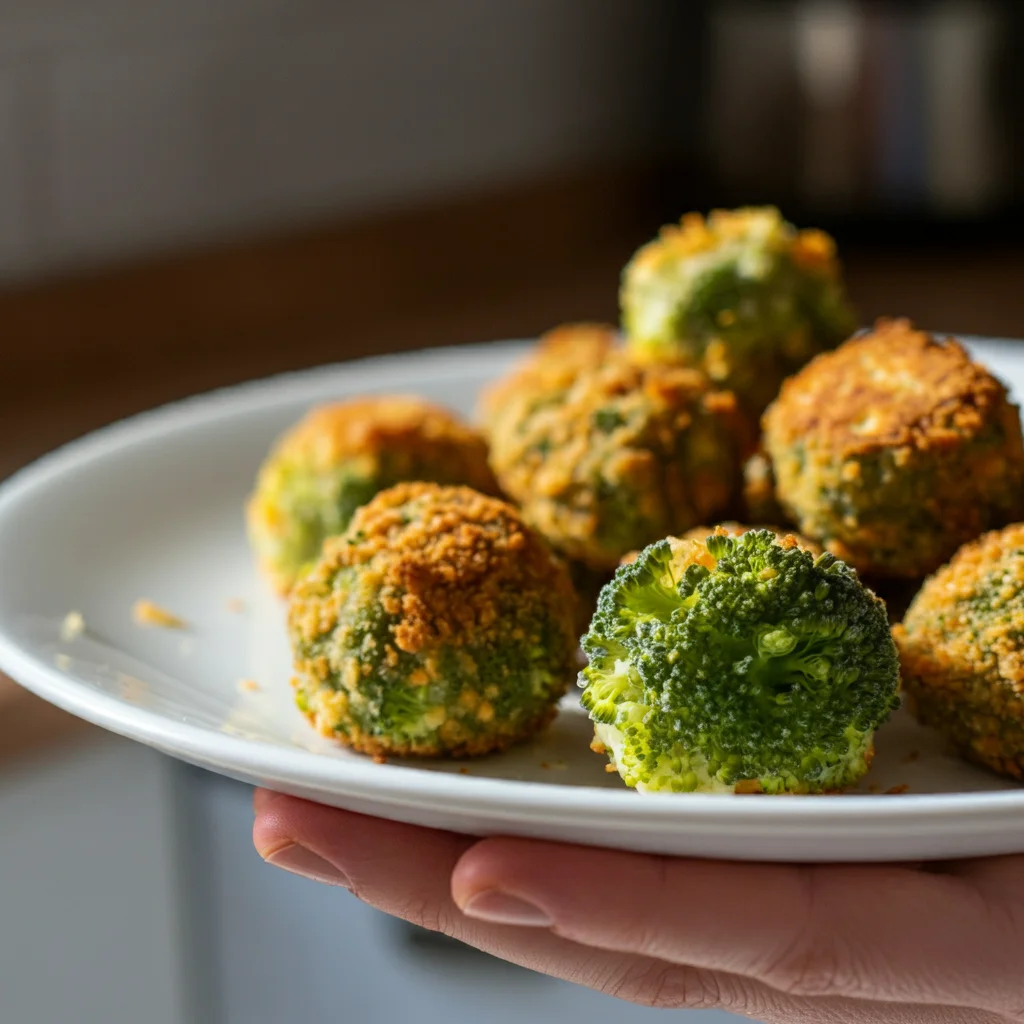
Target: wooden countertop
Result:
[81, 352]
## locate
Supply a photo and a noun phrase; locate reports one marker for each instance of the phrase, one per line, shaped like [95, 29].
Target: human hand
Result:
[777, 943]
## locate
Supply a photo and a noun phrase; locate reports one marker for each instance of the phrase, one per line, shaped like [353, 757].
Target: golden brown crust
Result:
[811, 249]
[376, 425]
[896, 387]
[446, 577]
[552, 364]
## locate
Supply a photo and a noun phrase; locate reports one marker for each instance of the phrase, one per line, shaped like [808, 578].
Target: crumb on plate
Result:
[610, 768]
[72, 627]
[146, 613]
[248, 686]
[379, 759]
[897, 790]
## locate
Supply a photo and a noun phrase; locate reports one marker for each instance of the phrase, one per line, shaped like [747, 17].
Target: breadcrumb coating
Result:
[338, 457]
[441, 603]
[559, 356]
[605, 454]
[896, 387]
[895, 449]
[961, 649]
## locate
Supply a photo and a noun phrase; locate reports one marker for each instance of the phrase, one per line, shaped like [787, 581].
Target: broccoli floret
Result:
[738, 663]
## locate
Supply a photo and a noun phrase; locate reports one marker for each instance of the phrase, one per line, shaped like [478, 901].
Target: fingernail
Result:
[503, 908]
[300, 861]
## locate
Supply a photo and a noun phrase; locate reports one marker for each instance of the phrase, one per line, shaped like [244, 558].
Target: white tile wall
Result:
[172, 122]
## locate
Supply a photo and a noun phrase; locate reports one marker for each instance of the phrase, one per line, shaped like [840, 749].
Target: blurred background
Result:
[198, 192]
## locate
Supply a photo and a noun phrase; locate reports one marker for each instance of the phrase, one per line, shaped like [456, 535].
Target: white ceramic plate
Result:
[151, 508]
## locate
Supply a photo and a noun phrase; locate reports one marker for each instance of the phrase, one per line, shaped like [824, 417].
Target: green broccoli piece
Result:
[739, 663]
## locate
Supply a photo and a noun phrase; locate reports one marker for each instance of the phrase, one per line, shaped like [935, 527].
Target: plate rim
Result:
[401, 784]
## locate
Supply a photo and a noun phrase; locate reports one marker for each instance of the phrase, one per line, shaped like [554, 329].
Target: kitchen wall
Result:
[127, 128]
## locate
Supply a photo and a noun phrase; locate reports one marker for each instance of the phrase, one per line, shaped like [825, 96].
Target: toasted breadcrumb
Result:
[379, 759]
[748, 786]
[453, 571]
[72, 627]
[895, 387]
[146, 613]
[610, 769]
[897, 790]
[463, 771]
[248, 686]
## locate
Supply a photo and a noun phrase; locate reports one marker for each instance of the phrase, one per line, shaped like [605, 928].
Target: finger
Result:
[406, 872]
[873, 933]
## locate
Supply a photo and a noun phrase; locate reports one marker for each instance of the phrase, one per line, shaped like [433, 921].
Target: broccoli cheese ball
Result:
[738, 664]
[961, 648]
[604, 454]
[743, 296]
[338, 458]
[894, 450]
[437, 624]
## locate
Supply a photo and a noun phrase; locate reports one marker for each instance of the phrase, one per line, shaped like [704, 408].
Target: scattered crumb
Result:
[598, 747]
[912, 757]
[133, 689]
[874, 788]
[248, 686]
[236, 605]
[146, 613]
[748, 786]
[545, 766]
[463, 771]
[609, 768]
[72, 627]
[379, 759]
[896, 790]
